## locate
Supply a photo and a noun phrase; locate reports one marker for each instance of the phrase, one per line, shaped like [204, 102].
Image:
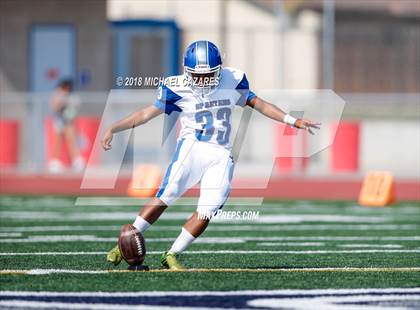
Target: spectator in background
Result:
[64, 111]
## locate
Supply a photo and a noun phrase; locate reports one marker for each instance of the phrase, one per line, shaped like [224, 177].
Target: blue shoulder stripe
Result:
[243, 84]
[243, 87]
[167, 99]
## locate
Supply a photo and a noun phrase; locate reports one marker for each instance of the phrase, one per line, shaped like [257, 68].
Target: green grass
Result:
[204, 281]
[300, 227]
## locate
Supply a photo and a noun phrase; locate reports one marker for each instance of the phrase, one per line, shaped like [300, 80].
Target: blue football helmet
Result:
[203, 64]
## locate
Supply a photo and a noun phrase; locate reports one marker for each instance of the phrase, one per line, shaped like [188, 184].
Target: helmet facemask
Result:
[202, 79]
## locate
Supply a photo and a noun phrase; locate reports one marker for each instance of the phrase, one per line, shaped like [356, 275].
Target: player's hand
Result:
[307, 125]
[106, 140]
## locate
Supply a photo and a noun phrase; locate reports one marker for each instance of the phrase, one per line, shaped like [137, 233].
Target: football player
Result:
[204, 97]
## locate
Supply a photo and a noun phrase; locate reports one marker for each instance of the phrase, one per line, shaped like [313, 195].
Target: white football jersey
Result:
[205, 117]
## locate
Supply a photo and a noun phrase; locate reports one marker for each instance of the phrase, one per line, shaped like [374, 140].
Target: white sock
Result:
[141, 224]
[182, 242]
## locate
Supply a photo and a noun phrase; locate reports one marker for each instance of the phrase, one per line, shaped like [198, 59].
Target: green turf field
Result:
[53, 244]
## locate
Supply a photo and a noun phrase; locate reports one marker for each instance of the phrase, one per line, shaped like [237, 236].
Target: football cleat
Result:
[169, 261]
[114, 256]
[138, 268]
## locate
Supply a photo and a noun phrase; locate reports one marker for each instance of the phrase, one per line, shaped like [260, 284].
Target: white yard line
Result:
[22, 304]
[59, 238]
[252, 203]
[301, 218]
[51, 253]
[62, 228]
[286, 292]
[217, 227]
[368, 245]
[298, 252]
[316, 244]
[215, 252]
[291, 244]
[297, 299]
[170, 216]
[258, 270]
[321, 302]
[336, 302]
[229, 240]
[332, 238]
[82, 216]
[10, 234]
[91, 238]
[128, 201]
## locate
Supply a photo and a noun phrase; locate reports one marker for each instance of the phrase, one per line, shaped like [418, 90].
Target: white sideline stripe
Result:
[330, 303]
[297, 252]
[300, 218]
[90, 238]
[321, 269]
[120, 200]
[52, 253]
[343, 238]
[334, 302]
[306, 300]
[183, 201]
[170, 216]
[13, 234]
[228, 240]
[62, 305]
[81, 216]
[367, 245]
[291, 244]
[273, 208]
[198, 252]
[350, 245]
[216, 227]
[54, 202]
[63, 238]
[217, 293]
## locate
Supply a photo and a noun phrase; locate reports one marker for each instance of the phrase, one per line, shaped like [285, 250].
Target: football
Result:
[132, 245]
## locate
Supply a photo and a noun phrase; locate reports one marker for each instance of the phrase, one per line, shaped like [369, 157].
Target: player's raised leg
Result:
[179, 176]
[215, 189]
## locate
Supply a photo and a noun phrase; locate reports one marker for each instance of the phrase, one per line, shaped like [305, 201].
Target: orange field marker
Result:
[378, 189]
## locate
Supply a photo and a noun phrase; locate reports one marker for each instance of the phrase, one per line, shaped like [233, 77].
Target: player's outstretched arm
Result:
[135, 119]
[273, 112]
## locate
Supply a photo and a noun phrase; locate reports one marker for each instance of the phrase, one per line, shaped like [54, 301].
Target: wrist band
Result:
[290, 120]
